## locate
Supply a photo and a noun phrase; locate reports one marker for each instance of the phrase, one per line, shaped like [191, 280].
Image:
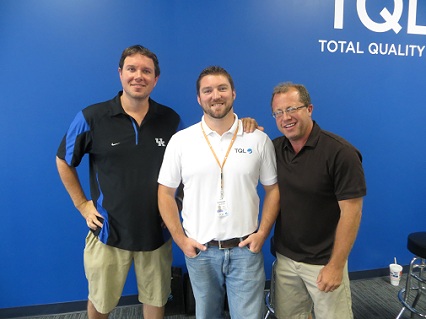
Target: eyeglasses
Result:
[289, 110]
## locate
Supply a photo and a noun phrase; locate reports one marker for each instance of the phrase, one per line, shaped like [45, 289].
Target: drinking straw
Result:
[394, 259]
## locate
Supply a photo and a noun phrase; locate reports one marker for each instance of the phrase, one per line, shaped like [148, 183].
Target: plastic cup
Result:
[395, 273]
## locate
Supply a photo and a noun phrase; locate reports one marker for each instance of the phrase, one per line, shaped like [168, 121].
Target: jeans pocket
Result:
[250, 251]
[197, 253]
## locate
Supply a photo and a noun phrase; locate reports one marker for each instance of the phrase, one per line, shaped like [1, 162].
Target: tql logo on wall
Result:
[391, 21]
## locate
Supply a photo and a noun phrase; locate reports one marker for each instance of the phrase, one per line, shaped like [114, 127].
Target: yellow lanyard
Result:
[226, 155]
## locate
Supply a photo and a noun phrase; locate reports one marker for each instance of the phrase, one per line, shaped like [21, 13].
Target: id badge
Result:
[221, 208]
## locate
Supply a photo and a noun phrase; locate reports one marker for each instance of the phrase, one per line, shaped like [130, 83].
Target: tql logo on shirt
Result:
[243, 150]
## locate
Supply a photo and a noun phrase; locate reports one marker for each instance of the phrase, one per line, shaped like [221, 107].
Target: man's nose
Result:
[286, 115]
[216, 94]
[138, 74]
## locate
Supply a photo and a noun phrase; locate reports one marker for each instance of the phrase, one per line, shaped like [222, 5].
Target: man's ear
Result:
[310, 109]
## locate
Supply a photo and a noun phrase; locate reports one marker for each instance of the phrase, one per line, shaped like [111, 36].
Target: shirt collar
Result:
[312, 139]
[208, 131]
[117, 108]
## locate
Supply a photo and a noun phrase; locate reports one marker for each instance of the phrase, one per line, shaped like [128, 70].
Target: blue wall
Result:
[57, 57]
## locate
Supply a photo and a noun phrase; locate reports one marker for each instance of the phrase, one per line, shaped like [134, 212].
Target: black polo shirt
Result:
[327, 169]
[125, 160]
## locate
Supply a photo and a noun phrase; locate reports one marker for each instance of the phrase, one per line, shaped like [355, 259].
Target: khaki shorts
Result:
[106, 269]
[296, 292]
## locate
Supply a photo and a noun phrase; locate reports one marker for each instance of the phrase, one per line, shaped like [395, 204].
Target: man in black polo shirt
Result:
[125, 138]
[322, 185]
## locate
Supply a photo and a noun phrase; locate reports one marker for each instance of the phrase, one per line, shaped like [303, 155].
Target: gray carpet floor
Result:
[373, 298]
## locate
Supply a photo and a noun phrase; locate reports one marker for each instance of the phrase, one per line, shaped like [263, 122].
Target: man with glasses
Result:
[321, 180]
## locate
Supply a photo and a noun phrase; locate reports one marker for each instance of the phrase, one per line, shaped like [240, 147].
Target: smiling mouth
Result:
[289, 125]
[217, 104]
[137, 85]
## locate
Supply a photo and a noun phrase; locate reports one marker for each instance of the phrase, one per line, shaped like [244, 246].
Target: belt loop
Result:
[219, 244]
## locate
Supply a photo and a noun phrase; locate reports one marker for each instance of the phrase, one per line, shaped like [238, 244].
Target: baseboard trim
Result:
[51, 309]
[74, 306]
[366, 274]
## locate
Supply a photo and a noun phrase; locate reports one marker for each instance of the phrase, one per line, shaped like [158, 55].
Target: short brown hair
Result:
[214, 70]
[284, 87]
[143, 51]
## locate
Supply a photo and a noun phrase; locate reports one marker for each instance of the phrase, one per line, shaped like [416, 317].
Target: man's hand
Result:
[249, 125]
[190, 246]
[90, 214]
[329, 278]
[254, 242]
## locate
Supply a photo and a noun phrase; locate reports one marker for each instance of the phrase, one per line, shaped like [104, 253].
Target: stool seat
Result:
[417, 244]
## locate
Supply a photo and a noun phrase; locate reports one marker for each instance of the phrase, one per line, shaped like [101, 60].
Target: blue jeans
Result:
[238, 271]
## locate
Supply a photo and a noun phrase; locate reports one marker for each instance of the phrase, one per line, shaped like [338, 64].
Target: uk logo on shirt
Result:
[160, 142]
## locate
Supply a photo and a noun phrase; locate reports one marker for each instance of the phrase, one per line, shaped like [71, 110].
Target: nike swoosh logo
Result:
[114, 144]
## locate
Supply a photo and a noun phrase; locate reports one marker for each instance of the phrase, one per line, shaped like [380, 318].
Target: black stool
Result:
[270, 296]
[410, 295]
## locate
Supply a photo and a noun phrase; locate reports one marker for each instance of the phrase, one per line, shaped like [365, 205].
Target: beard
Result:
[218, 113]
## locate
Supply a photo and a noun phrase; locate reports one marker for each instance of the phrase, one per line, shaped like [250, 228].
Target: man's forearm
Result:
[346, 231]
[169, 212]
[271, 206]
[69, 178]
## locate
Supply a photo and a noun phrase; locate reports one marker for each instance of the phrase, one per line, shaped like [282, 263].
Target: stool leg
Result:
[407, 287]
[270, 296]
[267, 315]
[268, 307]
[400, 313]
[416, 299]
[405, 294]
[409, 278]
[420, 285]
